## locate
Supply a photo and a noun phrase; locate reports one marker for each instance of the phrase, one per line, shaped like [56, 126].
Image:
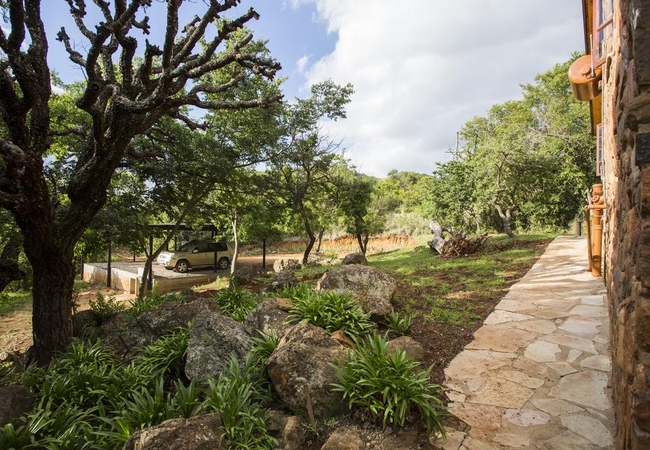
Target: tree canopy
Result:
[124, 96]
[527, 163]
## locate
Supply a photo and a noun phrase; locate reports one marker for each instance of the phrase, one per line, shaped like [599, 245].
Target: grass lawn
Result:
[449, 298]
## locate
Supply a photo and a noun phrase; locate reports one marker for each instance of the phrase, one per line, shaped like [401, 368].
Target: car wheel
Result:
[182, 266]
[223, 263]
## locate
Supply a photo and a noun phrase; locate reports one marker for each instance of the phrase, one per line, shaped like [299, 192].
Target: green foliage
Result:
[89, 398]
[527, 164]
[398, 323]
[186, 400]
[10, 300]
[331, 311]
[263, 347]
[389, 385]
[236, 303]
[153, 300]
[164, 355]
[299, 290]
[143, 409]
[105, 308]
[236, 399]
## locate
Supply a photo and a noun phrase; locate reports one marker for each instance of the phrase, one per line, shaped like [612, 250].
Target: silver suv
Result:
[197, 254]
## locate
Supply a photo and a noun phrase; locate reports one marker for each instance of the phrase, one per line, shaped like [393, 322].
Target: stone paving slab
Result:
[537, 373]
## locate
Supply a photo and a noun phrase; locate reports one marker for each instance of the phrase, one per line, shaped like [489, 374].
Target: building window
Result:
[603, 13]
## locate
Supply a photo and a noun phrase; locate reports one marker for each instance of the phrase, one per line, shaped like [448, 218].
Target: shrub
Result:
[390, 386]
[153, 300]
[235, 398]
[332, 311]
[236, 303]
[399, 324]
[164, 355]
[263, 347]
[105, 307]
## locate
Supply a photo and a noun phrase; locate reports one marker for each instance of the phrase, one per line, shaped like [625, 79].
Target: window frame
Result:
[599, 31]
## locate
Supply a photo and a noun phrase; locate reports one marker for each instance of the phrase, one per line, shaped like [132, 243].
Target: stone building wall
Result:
[626, 125]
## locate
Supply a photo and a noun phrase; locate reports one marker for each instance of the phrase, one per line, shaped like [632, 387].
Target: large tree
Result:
[528, 163]
[125, 96]
[303, 174]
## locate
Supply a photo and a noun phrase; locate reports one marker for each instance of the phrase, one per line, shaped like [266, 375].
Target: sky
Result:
[420, 68]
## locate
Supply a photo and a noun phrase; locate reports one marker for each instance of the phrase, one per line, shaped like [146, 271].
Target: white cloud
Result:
[422, 68]
[302, 62]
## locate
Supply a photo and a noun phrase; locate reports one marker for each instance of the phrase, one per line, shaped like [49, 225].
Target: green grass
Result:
[451, 290]
[10, 301]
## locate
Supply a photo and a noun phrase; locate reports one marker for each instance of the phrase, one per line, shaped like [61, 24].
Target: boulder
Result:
[267, 318]
[246, 275]
[126, 335]
[301, 370]
[355, 258]
[282, 280]
[213, 339]
[293, 434]
[285, 304]
[15, 400]
[286, 264]
[372, 288]
[344, 439]
[410, 346]
[196, 433]
[83, 322]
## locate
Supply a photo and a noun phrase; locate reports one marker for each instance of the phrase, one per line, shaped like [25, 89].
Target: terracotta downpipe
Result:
[595, 229]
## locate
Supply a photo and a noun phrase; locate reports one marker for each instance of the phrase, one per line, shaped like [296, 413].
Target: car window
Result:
[204, 247]
[187, 247]
[222, 247]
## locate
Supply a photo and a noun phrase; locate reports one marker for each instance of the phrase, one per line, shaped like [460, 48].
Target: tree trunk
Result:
[363, 242]
[309, 231]
[144, 280]
[236, 249]
[506, 218]
[52, 287]
[312, 240]
[320, 239]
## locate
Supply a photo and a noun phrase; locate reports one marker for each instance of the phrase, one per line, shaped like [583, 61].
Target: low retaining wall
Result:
[126, 277]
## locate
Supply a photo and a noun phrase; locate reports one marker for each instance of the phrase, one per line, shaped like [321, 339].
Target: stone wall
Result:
[626, 122]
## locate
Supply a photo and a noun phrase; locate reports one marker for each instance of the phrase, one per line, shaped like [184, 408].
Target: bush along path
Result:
[301, 367]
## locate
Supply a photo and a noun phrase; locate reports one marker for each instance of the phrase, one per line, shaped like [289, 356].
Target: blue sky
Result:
[420, 68]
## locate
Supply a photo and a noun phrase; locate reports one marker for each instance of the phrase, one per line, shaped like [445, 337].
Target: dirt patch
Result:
[16, 324]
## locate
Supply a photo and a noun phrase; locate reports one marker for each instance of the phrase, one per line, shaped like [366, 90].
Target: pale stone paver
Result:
[537, 373]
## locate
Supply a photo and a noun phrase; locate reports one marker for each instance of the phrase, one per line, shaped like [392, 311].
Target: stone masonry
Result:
[626, 125]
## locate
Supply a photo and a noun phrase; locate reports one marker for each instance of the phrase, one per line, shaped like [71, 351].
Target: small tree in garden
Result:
[303, 173]
[124, 96]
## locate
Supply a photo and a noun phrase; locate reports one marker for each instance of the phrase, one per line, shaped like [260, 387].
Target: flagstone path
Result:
[537, 373]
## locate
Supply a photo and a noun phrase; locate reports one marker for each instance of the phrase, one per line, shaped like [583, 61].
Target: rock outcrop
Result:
[267, 318]
[197, 433]
[355, 258]
[371, 287]
[301, 370]
[15, 400]
[213, 339]
[126, 335]
[286, 264]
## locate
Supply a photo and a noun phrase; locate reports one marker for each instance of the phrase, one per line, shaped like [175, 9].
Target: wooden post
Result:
[597, 206]
[108, 267]
[150, 282]
[263, 253]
